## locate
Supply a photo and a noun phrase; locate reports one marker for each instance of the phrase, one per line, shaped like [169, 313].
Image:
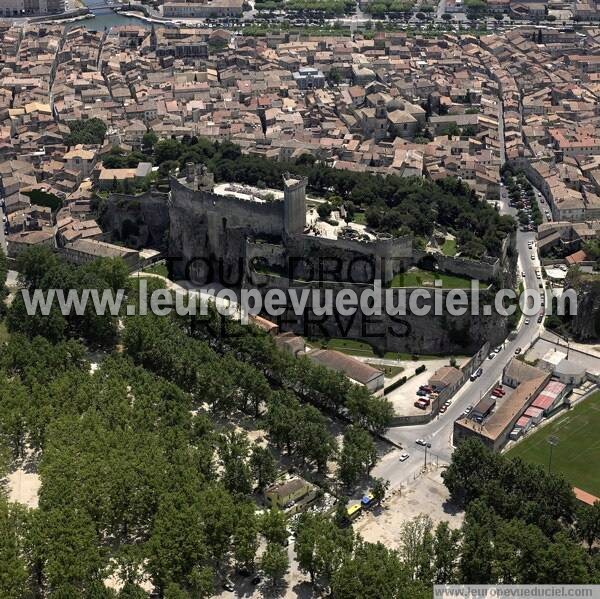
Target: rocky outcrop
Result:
[585, 325]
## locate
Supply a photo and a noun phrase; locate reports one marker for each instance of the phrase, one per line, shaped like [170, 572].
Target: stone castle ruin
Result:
[234, 236]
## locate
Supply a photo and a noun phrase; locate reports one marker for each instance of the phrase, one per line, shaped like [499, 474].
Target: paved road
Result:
[439, 431]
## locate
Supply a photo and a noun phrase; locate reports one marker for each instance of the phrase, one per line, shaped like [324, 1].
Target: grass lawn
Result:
[388, 371]
[158, 269]
[449, 247]
[350, 346]
[577, 454]
[359, 218]
[416, 277]
[353, 347]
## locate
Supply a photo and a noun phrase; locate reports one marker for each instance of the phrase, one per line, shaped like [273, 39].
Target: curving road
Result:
[438, 432]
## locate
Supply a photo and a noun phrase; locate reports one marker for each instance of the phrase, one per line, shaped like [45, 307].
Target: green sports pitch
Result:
[577, 454]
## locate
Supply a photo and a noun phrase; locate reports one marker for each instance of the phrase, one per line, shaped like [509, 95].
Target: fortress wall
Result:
[138, 221]
[210, 231]
[474, 269]
[428, 334]
[358, 261]
[256, 217]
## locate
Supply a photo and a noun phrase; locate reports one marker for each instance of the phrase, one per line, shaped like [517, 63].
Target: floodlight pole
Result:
[552, 441]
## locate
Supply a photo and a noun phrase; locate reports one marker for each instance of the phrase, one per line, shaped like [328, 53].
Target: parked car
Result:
[420, 404]
[527, 321]
[540, 318]
[421, 393]
[443, 409]
[404, 456]
[426, 388]
[517, 351]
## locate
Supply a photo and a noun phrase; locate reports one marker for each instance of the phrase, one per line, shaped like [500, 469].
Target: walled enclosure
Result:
[248, 242]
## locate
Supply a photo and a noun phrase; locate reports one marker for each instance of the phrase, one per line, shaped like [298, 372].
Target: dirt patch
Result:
[426, 495]
[23, 487]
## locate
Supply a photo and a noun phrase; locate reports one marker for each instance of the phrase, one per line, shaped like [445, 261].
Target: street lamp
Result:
[553, 442]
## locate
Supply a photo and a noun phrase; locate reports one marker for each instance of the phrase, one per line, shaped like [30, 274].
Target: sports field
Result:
[577, 455]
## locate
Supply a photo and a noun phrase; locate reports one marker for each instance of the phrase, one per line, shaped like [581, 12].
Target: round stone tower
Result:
[294, 207]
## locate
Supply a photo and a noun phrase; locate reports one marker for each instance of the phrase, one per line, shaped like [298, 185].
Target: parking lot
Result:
[403, 398]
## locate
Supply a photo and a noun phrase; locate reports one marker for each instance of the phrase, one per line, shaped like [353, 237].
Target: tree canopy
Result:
[86, 131]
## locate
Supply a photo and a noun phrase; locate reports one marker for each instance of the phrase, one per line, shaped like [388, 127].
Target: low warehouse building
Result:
[354, 369]
[495, 430]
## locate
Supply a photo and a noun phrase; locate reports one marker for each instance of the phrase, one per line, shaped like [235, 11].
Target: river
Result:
[106, 19]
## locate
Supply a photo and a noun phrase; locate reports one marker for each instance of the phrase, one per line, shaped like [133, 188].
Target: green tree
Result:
[273, 526]
[149, 141]
[274, 563]
[380, 488]
[86, 131]
[321, 546]
[14, 575]
[245, 536]
[358, 455]
[167, 150]
[263, 466]
[446, 550]
[235, 451]
[375, 571]
[588, 524]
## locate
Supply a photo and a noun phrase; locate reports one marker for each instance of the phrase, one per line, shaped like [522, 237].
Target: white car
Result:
[527, 321]
[404, 456]
[532, 257]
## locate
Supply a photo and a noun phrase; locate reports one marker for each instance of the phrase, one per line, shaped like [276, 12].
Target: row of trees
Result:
[258, 379]
[137, 481]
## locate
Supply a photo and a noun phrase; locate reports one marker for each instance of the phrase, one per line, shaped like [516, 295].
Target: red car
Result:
[420, 404]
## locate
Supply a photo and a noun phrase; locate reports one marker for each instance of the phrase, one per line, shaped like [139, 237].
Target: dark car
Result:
[257, 579]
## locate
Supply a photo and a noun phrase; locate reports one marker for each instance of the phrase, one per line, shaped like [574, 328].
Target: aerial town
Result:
[207, 151]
